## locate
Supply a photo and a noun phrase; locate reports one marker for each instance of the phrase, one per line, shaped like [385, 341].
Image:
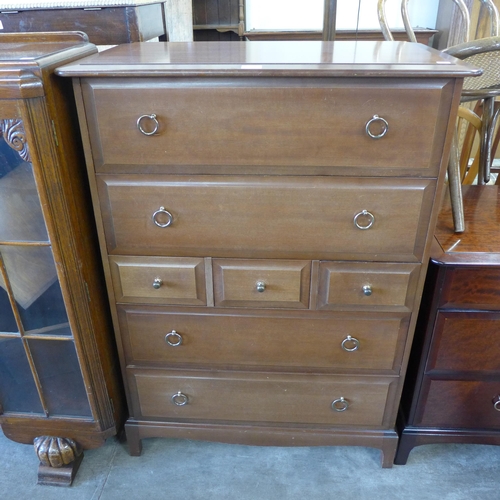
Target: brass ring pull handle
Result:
[157, 283]
[173, 338]
[384, 127]
[364, 220]
[367, 290]
[152, 117]
[350, 341]
[180, 399]
[162, 214]
[340, 404]
[260, 286]
[496, 403]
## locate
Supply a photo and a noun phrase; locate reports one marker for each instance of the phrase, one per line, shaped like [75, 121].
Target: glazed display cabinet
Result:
[58, 384]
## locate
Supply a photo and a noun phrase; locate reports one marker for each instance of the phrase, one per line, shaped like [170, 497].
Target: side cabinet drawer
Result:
[474, 287]
[460, 404]
[255, 397]
[465, 341]
[266, 217]
[159, 280]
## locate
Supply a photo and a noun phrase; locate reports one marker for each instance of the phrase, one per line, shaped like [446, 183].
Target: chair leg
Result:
[486, 142]
[455, 185]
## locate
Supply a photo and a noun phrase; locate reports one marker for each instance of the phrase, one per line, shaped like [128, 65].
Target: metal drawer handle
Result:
[364, 219]
[151, 117]
[496, 403]
[260, 286]
[340, 404]
[157, 283]
[350, 341]
[173, 338]
[383, 124]
[180, 399]
[367, 290]
[160, 214]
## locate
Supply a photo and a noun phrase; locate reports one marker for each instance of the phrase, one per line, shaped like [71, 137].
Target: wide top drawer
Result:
[382, 127]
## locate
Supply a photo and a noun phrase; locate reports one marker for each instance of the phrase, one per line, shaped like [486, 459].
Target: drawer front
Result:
[351, 286]
[159, 280]
[465, 342]
[298, 123]
[261, 283]
[461, 404]
[476, 287]
[292, 340]
[267, 217]
[254, 397]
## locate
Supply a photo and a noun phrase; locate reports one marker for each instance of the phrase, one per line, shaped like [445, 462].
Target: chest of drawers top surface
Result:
[311, 58]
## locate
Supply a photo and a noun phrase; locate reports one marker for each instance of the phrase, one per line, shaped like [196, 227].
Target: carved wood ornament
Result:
[15, 136]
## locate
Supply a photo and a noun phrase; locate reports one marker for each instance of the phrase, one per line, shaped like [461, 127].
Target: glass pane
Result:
[32, 276]
[22, 218]
[7, 319]
[59, 373]
[17, 388]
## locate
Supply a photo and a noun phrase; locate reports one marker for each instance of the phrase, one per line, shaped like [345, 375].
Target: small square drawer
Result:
[358, 285]
[159, 280]
[465, 341]
[477, 287]
[261, 283]
[261, 397]
[460, 404]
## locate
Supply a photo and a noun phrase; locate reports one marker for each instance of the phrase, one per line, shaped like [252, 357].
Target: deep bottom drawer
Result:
[263, 397]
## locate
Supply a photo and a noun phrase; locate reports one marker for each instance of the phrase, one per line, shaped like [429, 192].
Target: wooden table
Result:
[105, 22]
[452, 391]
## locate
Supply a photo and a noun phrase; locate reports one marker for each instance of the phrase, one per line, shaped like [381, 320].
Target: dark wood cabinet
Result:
[452, 392]
[265, 211]
[59, 384]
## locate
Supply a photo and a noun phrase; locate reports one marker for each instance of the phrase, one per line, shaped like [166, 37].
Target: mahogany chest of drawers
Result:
[452, 392]
[265, 212]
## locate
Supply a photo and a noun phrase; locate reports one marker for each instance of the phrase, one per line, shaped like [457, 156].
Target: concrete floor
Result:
[188, 470]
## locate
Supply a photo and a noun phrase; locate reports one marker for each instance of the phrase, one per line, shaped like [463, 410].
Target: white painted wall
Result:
[308, 14]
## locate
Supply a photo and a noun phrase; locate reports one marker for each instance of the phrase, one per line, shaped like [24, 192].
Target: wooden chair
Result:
[483, 53]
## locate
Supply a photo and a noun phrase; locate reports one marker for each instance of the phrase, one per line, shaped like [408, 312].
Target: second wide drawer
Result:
[291, 339]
